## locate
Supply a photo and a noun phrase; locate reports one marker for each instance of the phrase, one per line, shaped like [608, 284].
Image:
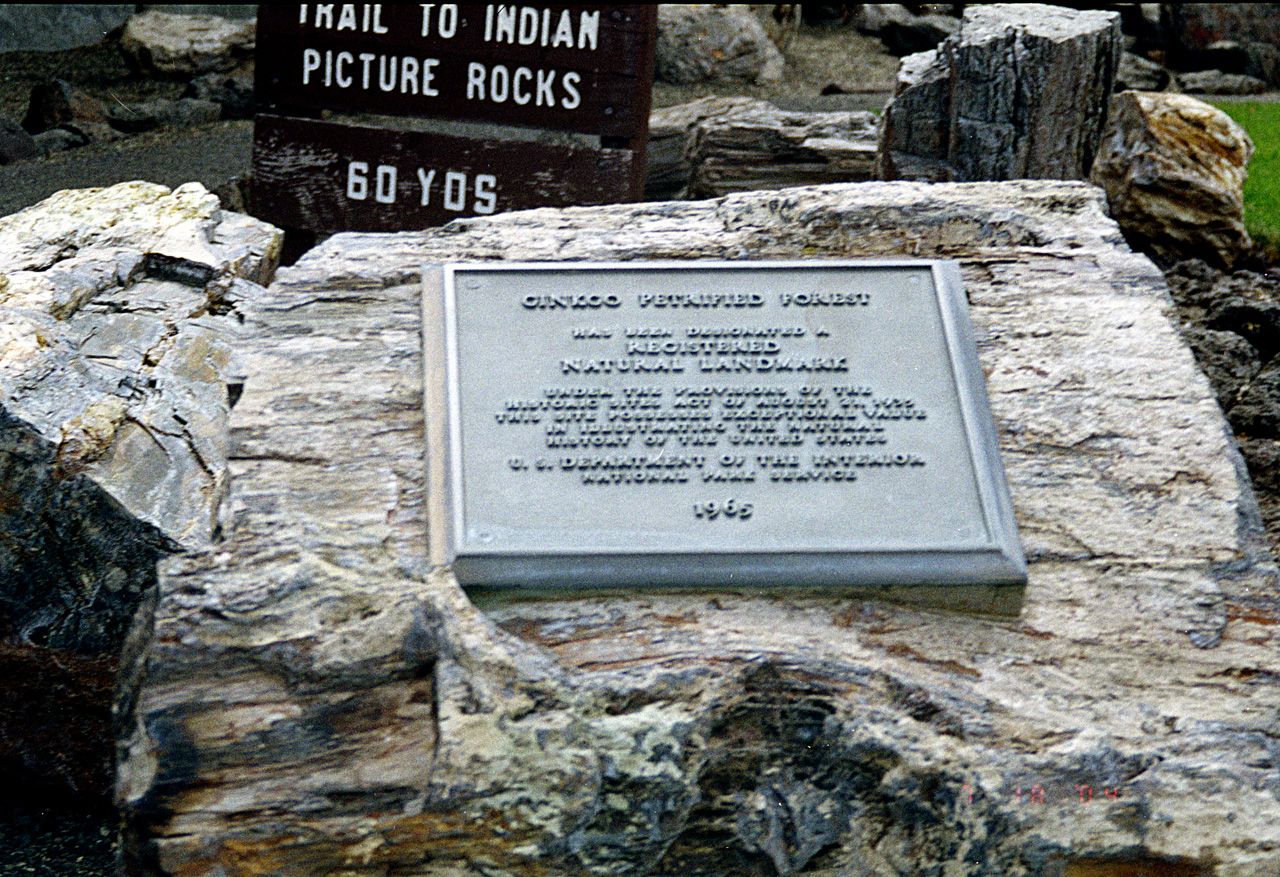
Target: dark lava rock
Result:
[62, 137]
[1263, 457]
[1257, 409]
[55, 102]
[1256, 321]
[16, 144]
[232, 95]
[1228, 360]
[182, 113]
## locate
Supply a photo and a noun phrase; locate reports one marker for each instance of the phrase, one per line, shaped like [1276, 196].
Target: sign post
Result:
[581, 70]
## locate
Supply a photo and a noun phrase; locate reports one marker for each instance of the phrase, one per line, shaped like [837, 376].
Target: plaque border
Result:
[1000, 561]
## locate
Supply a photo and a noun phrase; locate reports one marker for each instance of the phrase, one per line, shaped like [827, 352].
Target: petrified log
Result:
[758, 146]
[116, 309]
[1025, 96]
[670, 129]
[313, 699]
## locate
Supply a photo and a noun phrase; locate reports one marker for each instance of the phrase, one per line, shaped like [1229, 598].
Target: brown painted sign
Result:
[585, 69]
[569, 68]
[322, 175]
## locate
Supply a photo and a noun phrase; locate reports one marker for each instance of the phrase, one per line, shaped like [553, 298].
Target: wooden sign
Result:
[558, 67]
[361, 178]
[581, 69]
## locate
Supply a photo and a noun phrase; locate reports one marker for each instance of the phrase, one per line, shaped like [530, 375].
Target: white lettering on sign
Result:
[358, 180]
[459, 186]
[369, 17]
[406, 75]
[496, 83]
[528, 26]
[385, 193]
[446, 20]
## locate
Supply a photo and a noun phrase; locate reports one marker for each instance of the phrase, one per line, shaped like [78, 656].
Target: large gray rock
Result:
[117, 309]
[1217, 82]
[49, 27]
[699, 43]
[182, 46]
[1019, 92]
[1174, 171]
[314, 699]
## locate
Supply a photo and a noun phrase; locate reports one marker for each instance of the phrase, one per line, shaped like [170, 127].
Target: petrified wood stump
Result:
[1019, 92]
[314, 700]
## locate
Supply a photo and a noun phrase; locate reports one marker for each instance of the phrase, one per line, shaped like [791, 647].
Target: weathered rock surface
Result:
[1137, 73]
[116, 311]
[184, 112]
[698, 43]
[758, 146]
[1019, 92]
[182, 46]
[1217, 82]
[915, 135]
[670, 131]
[1174, 169]
[313, 699]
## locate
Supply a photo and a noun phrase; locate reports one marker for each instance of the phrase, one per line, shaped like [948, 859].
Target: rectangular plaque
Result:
[811, 423]
[333, 176]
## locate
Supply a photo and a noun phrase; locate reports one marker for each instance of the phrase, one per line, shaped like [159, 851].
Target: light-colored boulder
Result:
[701, 43]
[182, 46]
[1174, 171]
[314, 699]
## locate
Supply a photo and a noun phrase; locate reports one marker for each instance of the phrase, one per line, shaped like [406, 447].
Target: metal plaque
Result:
[811, 423]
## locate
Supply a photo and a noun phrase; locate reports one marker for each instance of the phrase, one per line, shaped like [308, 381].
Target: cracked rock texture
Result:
[1019, 92]
[313, 699]
[117, 307]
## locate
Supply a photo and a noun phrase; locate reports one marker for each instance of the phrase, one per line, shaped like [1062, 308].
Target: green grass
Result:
[1262, 189]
